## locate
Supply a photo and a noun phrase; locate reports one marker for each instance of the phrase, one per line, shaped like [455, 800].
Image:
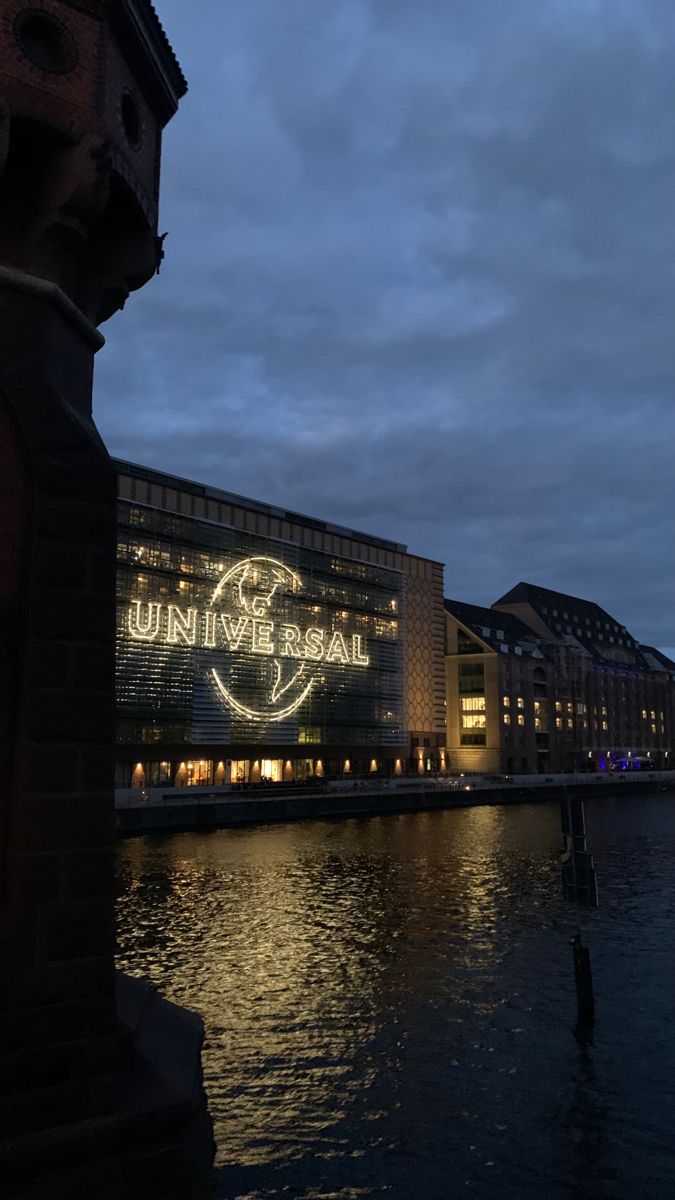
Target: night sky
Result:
[420, 281]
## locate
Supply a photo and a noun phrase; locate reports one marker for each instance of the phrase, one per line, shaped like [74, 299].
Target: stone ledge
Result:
[33, 285]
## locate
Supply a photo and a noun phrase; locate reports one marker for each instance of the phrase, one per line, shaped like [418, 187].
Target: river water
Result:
[389, 1002]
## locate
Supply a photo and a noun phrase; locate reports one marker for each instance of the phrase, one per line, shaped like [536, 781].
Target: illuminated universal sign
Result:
[275, 660]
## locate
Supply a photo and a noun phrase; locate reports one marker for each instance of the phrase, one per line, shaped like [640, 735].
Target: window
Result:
[472, 739]
[471, 678]
[570, 723]
[653, 728]
[507, 718]
[506, 701]
[473, 720]
[520, 702]
[558, 706]
[605, 726]
[471, 704]
[644, 714]
[467, 645]
[521, 719]
[558, 723]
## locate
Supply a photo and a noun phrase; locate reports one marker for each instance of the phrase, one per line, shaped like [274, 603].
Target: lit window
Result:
[537, 722]
[473, 721]
[558, 706]
[507, 718]
[309, 733]
[605, 726]
[520, 702]
[472, 703]
[570, 723]
[604, 711]
[521, 719]
[652, 714]
[653, 728]
[537, 706]
[558, 723]
[644, 714]
[570, 706]
[507, 701]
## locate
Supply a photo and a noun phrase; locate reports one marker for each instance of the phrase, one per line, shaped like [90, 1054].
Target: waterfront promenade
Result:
[219, 808]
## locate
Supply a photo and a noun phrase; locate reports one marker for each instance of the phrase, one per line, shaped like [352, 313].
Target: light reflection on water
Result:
[389, 1002]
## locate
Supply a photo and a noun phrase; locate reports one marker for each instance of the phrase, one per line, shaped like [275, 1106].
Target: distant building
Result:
[542, 681]
[259, 644]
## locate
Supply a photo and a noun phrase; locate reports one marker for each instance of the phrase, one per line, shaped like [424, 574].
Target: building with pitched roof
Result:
[543, 681]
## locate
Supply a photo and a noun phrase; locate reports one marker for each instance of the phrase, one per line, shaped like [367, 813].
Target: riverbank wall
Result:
[227, 811]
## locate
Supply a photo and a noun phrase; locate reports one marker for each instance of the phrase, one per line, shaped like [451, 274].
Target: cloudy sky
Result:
[420, 281]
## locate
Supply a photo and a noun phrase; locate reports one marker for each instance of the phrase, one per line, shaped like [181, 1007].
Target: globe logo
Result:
[277, 668]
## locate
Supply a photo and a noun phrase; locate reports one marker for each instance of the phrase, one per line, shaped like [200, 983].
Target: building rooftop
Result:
[551, 603]
[498, 629]
[574, 621]
[656, 660]
[202, 489]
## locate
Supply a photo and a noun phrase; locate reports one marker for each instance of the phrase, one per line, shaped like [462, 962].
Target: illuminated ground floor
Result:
[186, 767]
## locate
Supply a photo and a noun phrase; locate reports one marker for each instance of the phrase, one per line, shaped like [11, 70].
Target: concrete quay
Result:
[177, 811]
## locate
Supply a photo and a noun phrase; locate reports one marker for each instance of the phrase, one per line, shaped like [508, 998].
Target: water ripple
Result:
[389, 1002]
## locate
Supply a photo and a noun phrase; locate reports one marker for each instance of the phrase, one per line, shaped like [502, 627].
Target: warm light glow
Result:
[252, 714]
[240, 620]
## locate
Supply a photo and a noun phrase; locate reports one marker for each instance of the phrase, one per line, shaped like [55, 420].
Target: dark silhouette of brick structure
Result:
[89, 1103]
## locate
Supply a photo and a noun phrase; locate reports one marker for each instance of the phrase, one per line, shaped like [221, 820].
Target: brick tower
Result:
[86, 87]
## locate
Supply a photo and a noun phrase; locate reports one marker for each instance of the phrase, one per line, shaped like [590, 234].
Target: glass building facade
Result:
[244, 655]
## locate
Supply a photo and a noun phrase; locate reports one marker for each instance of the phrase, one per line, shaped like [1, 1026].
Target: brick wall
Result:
[57, 1017]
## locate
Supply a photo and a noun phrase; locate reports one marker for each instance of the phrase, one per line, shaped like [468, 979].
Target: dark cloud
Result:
[419, 280]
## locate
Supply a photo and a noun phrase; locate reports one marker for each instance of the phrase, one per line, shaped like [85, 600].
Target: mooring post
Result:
[583, 979]
[579, 885]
